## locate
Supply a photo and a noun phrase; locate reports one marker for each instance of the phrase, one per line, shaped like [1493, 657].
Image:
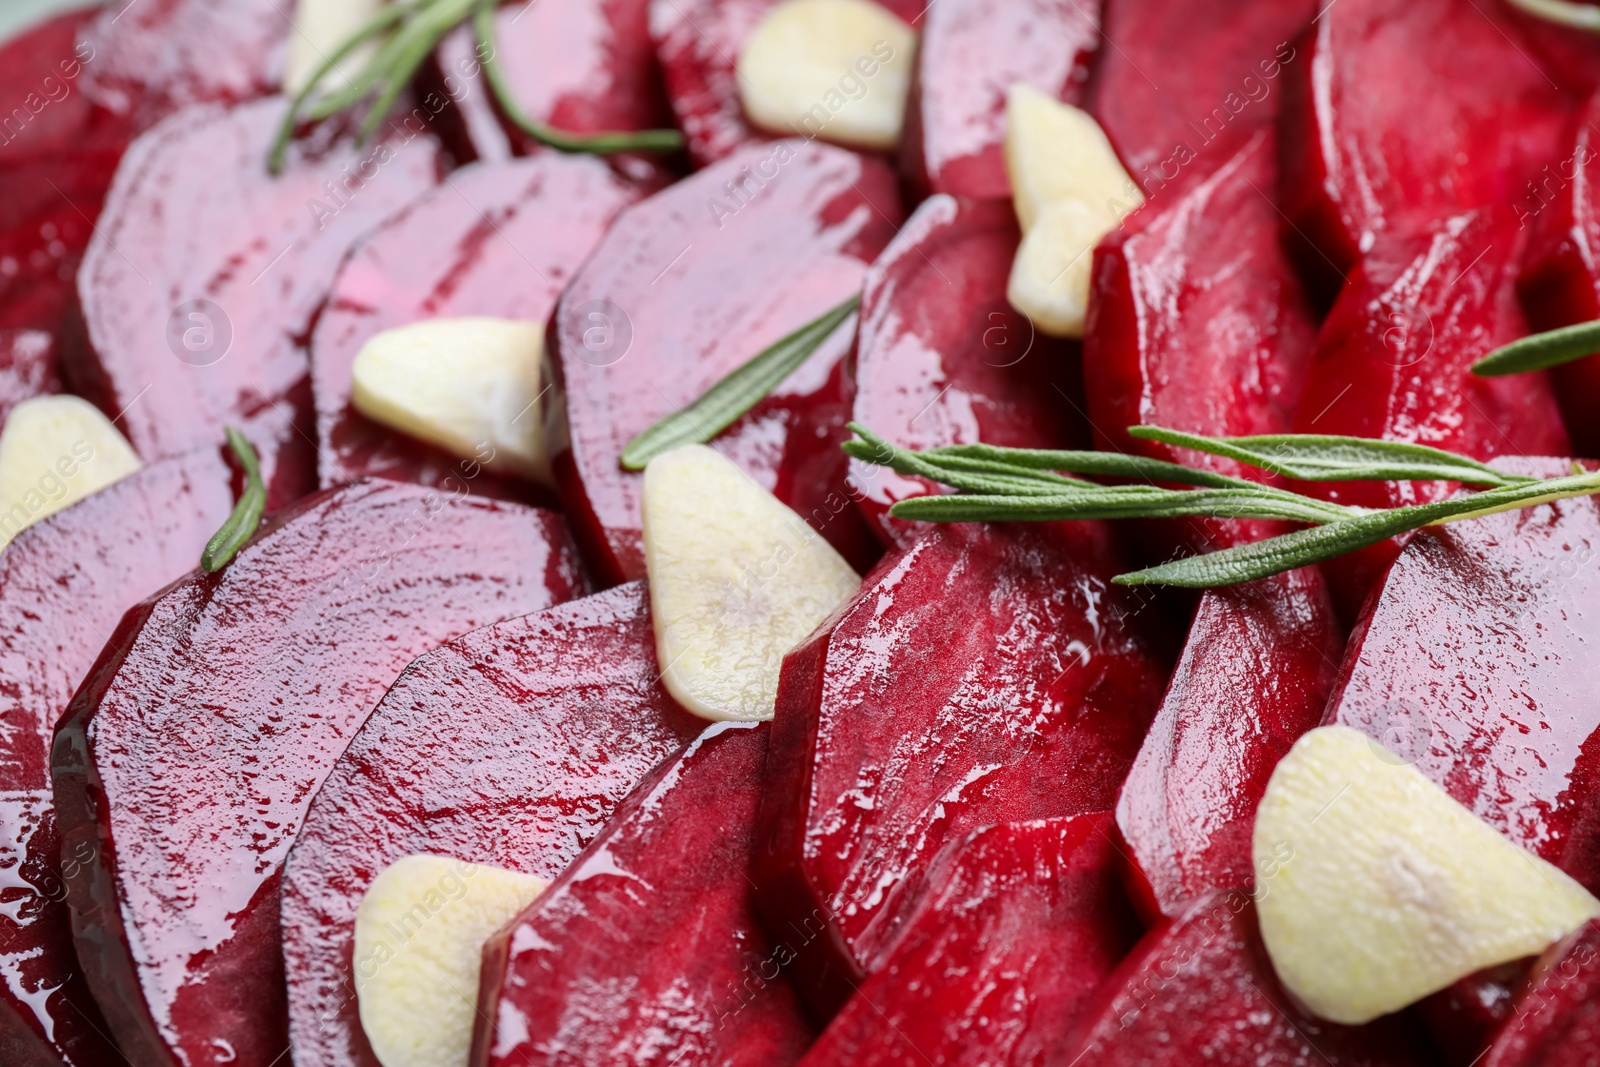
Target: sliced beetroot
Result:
[698, 44]
[190, 755]
[1556, 1020]
[988, 674]
[498, 239]
[942, 358]
[1022, 923]
[1393, 361]
[970, 53]
[1178, 80]
[1255, 674]
[1464, 1018]
[64, 583]
[510, 746]
[1202, 990]
[204, 275]
[691, 284]
[1473, 661]
[153, 57]
[1560, 282]
[581, 66]
[566, 983]
[1392, 126]
[27, 368]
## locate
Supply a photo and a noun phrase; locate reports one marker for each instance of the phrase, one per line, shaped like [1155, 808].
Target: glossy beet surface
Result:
[1560, 283]
[1392, 124]
[64, 583]
[1475, 661]
[1181, 83]
[153, 57]
[27, 368]
[698, 44]
[582, 66]
[203, 323]
[1393, 361]
[1021, 924]
[691, 284]
[1201, 990]
[1466, 1016]
[190, 755]
[497, 239]
[969, 55]
[509, 746]
[987, 674]
[943, 359]
[1255, 673]
[1556, 1020]
[566, 982]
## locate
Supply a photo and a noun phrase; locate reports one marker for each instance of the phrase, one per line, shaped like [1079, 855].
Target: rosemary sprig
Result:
[1563, 13]
[721, 405]
[241, 525]
[418, 26]
[1549, 349]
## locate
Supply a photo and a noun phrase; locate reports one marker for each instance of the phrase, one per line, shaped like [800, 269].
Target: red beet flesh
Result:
[903, 724]
[198, 324]
[970, 53]
[1556, 1019]
[27, 368]
[943, 359]
[510, 746]
[1473, 661]
[565, 983]
[188, 758]
[497, 239]
[1022, 924]
[691, 284]
[64, 583]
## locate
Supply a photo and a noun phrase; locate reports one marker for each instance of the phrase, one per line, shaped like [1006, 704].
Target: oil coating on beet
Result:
[1556, 1020]
[1021, 924]
[497, 239]
[942, 358]
[970, 53]
[1474, 662]
[192, 751]
[691, 284]
[204, 275]
[987, 674]
[509, 746]
[1201, 990]
[64, 583]
[565, 983]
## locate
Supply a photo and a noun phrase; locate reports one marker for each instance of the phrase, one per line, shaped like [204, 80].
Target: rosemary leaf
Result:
[241, 525]
[1328, 458]
[1121, 502]
[1563, 13]
[1549, 349]
[724, 402]
[1098, 464]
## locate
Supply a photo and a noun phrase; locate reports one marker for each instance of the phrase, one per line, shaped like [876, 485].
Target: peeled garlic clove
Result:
[1375, 888]
[836, 70]
[471, 386]
[419, 939]
[736, 581]
[320, 27]
[54, 451]
[1056, 152]
[1051, 275]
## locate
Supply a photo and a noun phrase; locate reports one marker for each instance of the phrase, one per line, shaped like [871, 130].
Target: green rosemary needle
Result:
[241, 525]
[1549, 349]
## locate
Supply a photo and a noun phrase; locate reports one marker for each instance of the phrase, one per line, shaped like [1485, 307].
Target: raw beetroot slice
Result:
[1474, 661]
[497, 239]
[1556, 1021]
[1392, 124]
[987, 674]
[64, 583]
[1179, 79]
[943, 359]
[970, 54]
[691, 284]
[1022, 924]
[27, 368]
[190, 755]
[510, 746]
[198, 323]
[1201, 990]
[565, 983]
